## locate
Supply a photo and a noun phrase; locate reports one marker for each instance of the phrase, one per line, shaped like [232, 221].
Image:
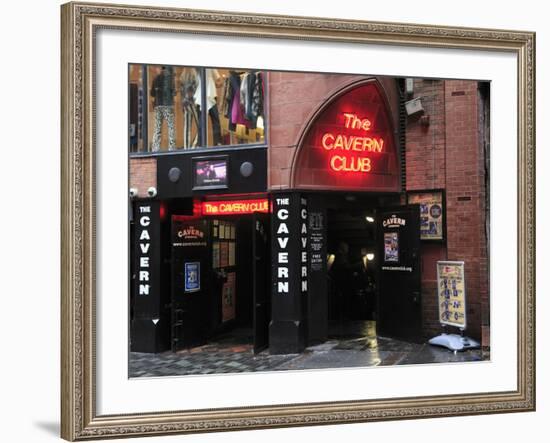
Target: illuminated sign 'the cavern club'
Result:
[352, 145]
[233, 207]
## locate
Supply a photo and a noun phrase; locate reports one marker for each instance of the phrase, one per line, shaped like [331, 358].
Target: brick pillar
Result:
[465, 178]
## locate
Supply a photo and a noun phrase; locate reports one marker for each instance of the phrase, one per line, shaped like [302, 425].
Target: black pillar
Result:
[149, 321]
[288, 329]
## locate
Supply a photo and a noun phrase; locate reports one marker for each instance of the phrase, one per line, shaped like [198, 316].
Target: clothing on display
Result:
[256, 99]
[243, 99]
[164, 113]
[233, 108]
[191, 92]
[191, 119]
[189, 88]
[212, 76]
[163, 92]
[237, 110]
[162, 89]
[214, 115]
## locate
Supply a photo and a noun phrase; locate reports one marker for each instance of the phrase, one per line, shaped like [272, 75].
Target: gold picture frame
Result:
[80, 22]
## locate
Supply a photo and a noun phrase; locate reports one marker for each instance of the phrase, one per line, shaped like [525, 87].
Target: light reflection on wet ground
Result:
[353, 345]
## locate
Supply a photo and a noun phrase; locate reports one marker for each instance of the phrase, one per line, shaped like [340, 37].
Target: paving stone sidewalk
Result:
[356, 346]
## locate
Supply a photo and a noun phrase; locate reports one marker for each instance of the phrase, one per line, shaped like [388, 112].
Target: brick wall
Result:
[447, 154]
[143, 174]
[293, 99]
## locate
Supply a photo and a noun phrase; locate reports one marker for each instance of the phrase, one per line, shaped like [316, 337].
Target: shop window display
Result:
[136, 100]
[241, 107]
[166, 104]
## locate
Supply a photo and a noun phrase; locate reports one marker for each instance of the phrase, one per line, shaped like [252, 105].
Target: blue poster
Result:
[192, 277]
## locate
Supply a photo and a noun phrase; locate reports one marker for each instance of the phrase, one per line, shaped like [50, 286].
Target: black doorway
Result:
[351, 264]
[400, 300]
[220, 310]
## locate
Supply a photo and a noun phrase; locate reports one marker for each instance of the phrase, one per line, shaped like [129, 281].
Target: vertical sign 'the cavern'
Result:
[147, 316]
[303, 246]
[289, 275]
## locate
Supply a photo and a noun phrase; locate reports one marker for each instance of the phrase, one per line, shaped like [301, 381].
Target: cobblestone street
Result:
[355, 345]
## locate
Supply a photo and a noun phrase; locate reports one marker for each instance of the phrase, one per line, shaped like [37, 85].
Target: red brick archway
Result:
[349, 144]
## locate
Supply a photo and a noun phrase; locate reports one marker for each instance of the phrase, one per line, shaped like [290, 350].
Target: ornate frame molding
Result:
[79, 24]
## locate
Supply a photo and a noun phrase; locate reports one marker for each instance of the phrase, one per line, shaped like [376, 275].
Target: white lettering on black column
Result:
[144, 246]
[303, 245]
[282, 235]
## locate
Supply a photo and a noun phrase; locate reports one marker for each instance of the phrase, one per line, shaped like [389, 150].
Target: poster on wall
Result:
[231, 253]
[216, 255]
[224, 254]
[192, 277]
[228, 298]
[432, 218]
[391, 246]
[316, 241]
[451, 287]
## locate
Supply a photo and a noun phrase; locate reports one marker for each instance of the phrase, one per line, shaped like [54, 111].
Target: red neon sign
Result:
[232, 207]
[352, 143]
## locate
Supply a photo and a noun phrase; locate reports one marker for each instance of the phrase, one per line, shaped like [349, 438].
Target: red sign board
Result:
[350, 145]
[232, 207]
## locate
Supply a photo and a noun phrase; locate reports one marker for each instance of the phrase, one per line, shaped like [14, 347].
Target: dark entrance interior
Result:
[370, 290]
[351, 262]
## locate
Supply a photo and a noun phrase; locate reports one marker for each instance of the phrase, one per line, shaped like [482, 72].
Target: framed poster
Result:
[215, 254]
[98, 43]
[224, 254]
[391, 247]
[231, 253]
[432, 213]
[192, 277]
[228, 298]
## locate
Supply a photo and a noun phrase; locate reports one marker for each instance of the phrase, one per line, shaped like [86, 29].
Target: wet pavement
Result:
[354, 344]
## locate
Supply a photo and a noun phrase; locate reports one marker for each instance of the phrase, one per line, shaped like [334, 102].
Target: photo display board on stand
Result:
[451, 296]
[451, 289]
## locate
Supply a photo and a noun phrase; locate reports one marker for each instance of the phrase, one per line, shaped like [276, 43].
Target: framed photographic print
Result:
[232, 185]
